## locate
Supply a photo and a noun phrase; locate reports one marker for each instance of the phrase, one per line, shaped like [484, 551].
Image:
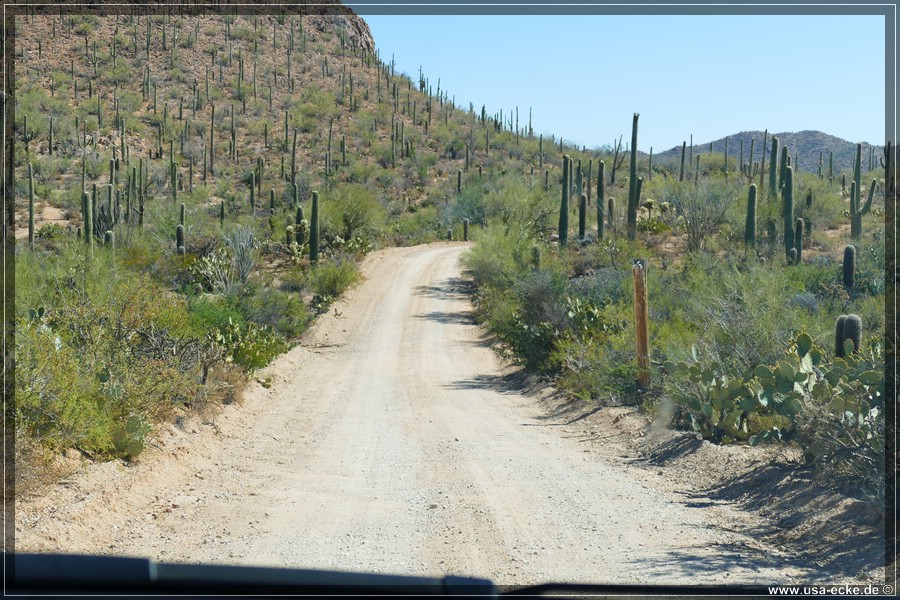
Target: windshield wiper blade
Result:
[85, 574]
[640, 589]
[61, 573]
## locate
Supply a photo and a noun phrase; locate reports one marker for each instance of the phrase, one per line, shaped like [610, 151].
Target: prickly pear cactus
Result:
[128, 440]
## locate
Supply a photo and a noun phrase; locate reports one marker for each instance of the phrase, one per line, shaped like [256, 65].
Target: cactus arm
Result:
[868, 205]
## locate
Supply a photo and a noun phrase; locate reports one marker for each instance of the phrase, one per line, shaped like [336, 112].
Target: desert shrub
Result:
[102, 353]
[470, 205]
[736, 313]
[827, 207]
[330, 278]
[870, 265]
[211, 311]
[248, 345]
[295, 278]
[703, 207]
[497, 258]
[595, 355]
[225, 269]
[422, 226]
[84, 24]
[354, 207]
[242, 247]
[283, 311]
[842, 425]
[528, 318]
[606, 285]
[315, 110]
[50, 231]
[119, 74]
[214, 272]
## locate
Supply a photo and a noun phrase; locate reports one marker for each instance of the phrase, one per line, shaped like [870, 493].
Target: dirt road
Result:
[389, 442]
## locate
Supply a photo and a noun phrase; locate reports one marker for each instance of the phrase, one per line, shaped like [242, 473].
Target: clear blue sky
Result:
[710, 76]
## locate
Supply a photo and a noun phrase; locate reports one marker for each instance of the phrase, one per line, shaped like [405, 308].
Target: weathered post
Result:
[641, 317]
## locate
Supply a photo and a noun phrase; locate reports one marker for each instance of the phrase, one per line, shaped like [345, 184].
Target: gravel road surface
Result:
[389, 442]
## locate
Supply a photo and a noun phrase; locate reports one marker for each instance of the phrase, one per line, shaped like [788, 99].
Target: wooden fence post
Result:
[639, 270]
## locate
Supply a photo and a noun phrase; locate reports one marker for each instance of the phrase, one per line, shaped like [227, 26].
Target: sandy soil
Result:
[393, 440]
[45, 213]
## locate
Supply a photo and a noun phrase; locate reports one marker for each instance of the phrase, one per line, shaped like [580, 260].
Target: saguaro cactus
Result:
[314, 229]
[579, 179]
[773, 172]
[611, 213]
[601, 197]
[849, 267]
[87, 211]
[212, 148]
[582, 216]
[633, 194]
[252, 193]
[785, 163]
[788, 192]
[798, 240]
[30, 207]
[179, 239]
[294, 158]
[564, 204]
[847, 327]
[750, 225]
[857, 210]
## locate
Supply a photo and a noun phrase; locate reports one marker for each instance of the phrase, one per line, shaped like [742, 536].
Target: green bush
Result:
[98, 347]
[842, 425]
[736, 313]
[596, 358]
[353, 207]
[285, 312]
[534, 321]
[703, 207]
[211, 311]
[248, 345]
[330, 278]
[295, 278]
[497, 258]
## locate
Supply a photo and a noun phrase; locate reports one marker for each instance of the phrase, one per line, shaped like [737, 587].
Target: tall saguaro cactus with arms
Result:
[857, 210]
[633, 194]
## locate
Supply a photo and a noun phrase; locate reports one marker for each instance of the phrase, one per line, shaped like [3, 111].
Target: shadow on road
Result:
[450, 288]
[511, 383]
[728, 557]
[841, 536]
[849, 540]
[673, 449]
[449, 318]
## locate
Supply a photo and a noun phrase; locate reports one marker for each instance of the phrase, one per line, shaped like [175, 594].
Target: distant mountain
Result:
[803, 144]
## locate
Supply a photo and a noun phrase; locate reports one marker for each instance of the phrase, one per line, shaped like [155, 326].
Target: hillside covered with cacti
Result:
[813, 151]
[193, 187]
